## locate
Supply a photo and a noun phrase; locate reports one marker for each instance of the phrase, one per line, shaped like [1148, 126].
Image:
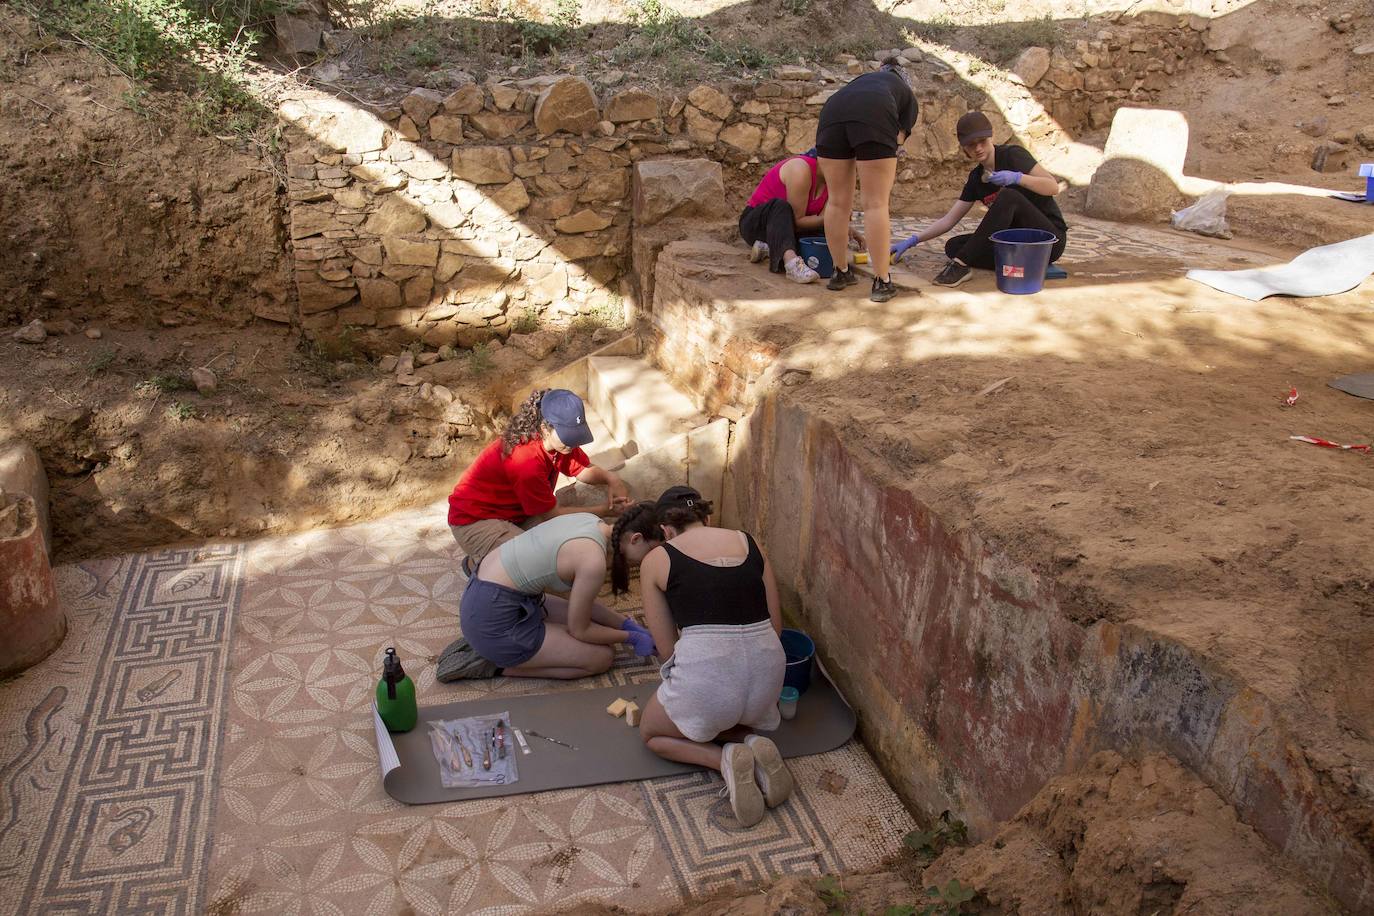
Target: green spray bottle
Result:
[396, 695]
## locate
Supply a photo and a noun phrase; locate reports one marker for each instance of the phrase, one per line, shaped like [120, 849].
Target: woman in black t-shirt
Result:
[860, 128]
[1017, 190]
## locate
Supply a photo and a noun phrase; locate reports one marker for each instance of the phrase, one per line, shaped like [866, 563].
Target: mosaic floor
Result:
[1095, 248]
[202, 742]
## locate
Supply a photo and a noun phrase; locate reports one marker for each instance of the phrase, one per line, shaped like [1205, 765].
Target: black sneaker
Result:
[842, 279]
[953, 274]
[883, 290]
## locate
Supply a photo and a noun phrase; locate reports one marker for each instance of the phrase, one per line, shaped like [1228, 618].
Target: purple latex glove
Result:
[1004, 178]
[641, 642]
[629, 624]
[900, 248]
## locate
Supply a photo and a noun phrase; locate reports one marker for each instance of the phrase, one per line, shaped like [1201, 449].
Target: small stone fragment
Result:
[204, 380]
[33, 332]
[405, 363]
[94, 333]
[833, 782]
[387, 363]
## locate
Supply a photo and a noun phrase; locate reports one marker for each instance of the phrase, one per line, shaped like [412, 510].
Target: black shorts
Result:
[854, 140]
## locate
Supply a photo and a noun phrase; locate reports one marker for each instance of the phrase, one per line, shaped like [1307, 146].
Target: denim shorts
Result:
[504, 626]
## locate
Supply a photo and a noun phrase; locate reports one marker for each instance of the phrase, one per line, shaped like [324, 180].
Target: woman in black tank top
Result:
[711, 603]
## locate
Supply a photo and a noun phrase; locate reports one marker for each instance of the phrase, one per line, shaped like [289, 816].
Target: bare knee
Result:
[601, 660]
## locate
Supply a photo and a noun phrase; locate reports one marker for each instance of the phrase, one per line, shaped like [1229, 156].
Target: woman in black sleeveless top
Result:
[712, 605]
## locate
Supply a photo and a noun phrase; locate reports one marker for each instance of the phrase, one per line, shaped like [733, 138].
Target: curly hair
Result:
[641, 518]
[525, 424]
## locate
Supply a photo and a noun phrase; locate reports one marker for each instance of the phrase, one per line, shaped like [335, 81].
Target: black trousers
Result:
[773, 222]
[1011, 210]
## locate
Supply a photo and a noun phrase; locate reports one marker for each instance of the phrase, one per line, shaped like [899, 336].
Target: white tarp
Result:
[1322, 271]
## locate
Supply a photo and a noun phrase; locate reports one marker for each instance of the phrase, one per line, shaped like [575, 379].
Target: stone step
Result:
[605, 450]
[638, 403]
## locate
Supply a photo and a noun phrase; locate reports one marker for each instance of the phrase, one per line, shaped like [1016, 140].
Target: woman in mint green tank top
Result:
[510, 620]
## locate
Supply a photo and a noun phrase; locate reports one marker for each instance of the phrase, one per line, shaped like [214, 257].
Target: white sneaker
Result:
[737, 767]
[758, 253]
[797, 271]
[770, 772]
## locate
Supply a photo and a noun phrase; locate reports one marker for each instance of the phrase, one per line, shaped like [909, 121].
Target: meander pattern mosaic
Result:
[203, 741]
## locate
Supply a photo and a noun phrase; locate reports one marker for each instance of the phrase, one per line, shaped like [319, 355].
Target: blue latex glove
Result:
[629, 624]
[900, 248]
[1004, 178]
[641, 642]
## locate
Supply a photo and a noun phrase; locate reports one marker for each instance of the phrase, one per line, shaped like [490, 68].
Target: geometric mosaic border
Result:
[130, 828]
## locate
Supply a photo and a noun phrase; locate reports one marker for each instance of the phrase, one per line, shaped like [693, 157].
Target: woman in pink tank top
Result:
[788, 202]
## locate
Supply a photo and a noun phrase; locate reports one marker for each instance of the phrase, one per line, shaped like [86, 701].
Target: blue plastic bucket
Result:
[816, 254]
[801, 655]
[1021, 256]
[1367, 173]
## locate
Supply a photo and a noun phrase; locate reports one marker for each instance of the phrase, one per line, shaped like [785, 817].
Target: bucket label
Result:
[813, 262]
[1009, 270]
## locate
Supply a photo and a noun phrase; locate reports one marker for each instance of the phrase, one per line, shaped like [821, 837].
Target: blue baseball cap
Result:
[563, 410]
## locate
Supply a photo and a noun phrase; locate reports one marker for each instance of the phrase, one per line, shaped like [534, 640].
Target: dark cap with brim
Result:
[973, 126]
[679, 496]
[564, 411]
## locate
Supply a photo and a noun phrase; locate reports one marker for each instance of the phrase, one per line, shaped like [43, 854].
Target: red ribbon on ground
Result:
[1327, 443]
[1292, 397]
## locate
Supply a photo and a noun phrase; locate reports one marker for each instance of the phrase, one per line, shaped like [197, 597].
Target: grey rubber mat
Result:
[608, 749]
[1361, 385]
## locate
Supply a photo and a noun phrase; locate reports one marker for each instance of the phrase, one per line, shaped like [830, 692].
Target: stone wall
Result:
[447, 216]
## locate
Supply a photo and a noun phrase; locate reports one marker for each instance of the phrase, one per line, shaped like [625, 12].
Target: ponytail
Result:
[641, 519]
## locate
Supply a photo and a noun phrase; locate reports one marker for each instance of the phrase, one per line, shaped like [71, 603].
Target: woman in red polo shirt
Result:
[511, 482]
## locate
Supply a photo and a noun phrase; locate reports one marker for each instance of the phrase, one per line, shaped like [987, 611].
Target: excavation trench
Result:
[976, 677]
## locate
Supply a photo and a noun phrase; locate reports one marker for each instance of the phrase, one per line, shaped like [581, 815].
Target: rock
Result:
[1365, 136]
[421, 104]
[407, 129]
[1364, 50]
[483, 164]
[446, 128]
[498, 126]
[1142, 165]
[605, 187]
[801, 135]
[537, 345]
[504, 97]
[511, 198]
[396, 216]
[436, 447]
[569, 105]
[205, 381]
[441, 394]
[607, 128]
[742, 136]
[701, 127]
[1329, 156]
[467, 100]
[33, 332]
[387, 363]
[410, 381]
[792, 72]
[1316, 127]
[315, 297]
[405, 363]
[582, 221]
[712, 101]
[59, 326]
[1031, 66]
[297, 33]
[854, 67]
[409, 251]
[448, 352]
[21, 473]
[94, 333]
[379, 293]
[677, 187]
[336, 125]
[632, 105]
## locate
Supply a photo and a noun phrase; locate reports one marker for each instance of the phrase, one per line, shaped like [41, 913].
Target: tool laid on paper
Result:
[467, 758]
[520, 740]
[483, 743]
[486, 754]
[500, 738]
[536, 734]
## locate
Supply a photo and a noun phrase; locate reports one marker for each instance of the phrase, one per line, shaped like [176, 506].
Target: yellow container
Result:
[861, 257]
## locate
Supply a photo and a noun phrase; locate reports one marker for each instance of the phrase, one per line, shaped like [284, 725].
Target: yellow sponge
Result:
[632, 714]
[617, 708]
